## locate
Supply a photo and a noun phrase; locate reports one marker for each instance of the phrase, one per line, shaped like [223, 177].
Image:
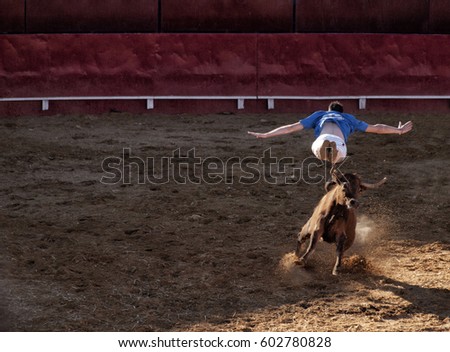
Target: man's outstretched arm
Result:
[295, 127]
[385, 129]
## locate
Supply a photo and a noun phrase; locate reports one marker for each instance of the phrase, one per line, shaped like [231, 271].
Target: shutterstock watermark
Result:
[183, 167]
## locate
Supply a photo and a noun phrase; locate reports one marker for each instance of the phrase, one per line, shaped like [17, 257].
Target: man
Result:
[332, 129]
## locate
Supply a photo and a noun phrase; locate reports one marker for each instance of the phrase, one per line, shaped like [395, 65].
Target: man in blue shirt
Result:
[332, 129]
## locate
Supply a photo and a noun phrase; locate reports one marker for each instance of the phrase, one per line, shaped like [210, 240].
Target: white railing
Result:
[362, 99]
[150, 100]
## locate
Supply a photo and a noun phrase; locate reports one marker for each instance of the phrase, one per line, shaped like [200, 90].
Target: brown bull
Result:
[334, 218]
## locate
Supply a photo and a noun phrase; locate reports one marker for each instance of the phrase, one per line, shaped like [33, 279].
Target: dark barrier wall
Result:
[439, 16]
[227, 16]
[127, 64]
[74, 16]
[367, 16]
[12, 16]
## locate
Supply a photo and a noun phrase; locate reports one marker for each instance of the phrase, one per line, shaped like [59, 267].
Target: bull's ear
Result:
[329, 185]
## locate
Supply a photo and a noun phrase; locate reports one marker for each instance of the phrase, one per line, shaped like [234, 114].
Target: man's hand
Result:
[257, 135]
[385, 129]
[405, 128]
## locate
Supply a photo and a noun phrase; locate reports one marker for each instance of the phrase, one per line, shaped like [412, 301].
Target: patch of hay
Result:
[356, 263]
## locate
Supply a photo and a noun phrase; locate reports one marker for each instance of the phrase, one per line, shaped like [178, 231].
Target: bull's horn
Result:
[373, 185]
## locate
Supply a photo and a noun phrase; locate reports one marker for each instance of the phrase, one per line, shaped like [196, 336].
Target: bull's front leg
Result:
[340, 243]
[302, 238]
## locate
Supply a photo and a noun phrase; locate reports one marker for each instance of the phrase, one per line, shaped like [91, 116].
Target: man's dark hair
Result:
[336, 106]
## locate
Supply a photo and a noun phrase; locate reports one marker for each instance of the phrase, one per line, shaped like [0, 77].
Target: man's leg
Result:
[328, 151]
[325, 150]
[329, 148]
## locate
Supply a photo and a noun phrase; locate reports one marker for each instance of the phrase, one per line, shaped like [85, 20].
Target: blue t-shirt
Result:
[346, 122]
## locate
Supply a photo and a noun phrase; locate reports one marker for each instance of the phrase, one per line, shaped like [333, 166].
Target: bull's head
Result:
[349, 187]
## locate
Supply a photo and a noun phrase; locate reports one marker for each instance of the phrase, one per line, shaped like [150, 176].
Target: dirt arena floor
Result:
[215, 255]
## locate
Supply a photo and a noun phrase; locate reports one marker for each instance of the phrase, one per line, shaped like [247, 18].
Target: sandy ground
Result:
[79, 254]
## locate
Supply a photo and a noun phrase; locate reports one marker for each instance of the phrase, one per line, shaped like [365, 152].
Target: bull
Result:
[334, 218]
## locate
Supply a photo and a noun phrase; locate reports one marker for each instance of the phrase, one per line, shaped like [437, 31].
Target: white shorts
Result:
[341, 148]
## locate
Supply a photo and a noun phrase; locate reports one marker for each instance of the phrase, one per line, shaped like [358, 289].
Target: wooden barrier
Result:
[225, 16]
[439, 17]
[235, 16]
[12, 16]
[362, 16]
[86, 16]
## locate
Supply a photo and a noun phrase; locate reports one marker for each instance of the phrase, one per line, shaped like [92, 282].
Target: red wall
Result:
[127, 64]
[354, 64]
[227, 16]
[74, 16]
[220, 64]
